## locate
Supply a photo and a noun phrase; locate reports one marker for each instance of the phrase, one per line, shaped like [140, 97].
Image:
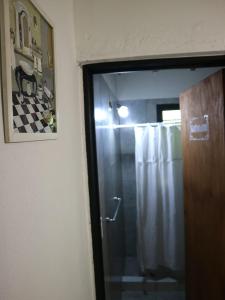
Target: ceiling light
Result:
[123, 111]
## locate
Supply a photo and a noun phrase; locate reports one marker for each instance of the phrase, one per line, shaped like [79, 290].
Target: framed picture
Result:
[28, 72]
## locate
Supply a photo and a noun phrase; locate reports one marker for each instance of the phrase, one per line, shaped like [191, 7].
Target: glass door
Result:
[110, 189]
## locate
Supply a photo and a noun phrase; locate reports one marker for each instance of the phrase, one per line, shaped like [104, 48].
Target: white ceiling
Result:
[154, 85]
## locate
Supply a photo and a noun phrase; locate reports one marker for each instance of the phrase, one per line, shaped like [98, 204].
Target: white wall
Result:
[44, 251]
[45, 248]
[118, 29]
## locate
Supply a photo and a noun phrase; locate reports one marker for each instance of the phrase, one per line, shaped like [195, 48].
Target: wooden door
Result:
[202, 110]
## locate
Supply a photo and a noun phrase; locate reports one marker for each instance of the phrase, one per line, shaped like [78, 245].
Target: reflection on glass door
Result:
[110, 188]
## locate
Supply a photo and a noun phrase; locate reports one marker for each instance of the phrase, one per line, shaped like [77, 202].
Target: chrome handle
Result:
[113, 219]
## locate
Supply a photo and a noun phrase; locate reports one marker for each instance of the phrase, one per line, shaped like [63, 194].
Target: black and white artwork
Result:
[28, 72]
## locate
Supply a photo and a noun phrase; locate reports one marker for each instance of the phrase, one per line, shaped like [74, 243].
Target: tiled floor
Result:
[136, 295]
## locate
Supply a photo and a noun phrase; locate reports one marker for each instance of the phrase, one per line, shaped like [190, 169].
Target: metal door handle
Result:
[113, 219]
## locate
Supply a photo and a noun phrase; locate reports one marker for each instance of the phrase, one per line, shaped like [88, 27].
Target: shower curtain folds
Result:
[160, 213]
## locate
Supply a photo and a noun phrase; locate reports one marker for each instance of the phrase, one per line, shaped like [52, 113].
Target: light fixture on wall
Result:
[123, 111]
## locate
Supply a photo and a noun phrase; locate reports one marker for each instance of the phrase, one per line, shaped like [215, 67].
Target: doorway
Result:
[135, 164]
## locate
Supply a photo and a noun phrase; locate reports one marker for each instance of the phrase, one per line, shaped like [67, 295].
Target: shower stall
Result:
[141, 195]
[138, 147]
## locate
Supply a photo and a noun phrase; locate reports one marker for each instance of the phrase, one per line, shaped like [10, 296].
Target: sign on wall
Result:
[199, 128]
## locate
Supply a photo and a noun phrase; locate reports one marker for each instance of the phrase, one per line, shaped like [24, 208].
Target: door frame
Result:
[89, 70]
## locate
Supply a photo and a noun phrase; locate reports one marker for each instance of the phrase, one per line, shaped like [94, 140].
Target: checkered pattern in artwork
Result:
[28, 117]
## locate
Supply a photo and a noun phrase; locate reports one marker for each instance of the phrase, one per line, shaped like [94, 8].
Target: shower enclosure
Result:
[141, 195]
[137, 167]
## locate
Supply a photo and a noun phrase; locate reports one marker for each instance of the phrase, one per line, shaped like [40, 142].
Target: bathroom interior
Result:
[140, 177]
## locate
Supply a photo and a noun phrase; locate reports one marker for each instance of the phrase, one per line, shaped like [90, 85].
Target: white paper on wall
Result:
[199, 128]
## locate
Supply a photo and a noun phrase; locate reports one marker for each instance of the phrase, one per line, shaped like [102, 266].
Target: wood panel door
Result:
[202, 111]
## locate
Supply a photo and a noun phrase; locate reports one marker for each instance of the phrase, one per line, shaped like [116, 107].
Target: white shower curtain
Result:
[160, 215]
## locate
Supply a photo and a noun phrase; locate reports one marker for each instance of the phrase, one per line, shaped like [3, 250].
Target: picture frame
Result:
[28, 72]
